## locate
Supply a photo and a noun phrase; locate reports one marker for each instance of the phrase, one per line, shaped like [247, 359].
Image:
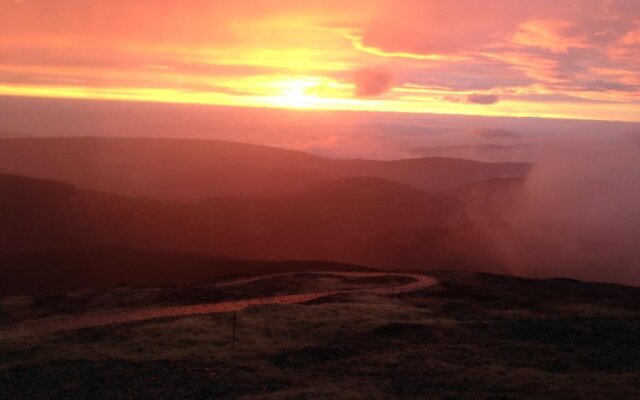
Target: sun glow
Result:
[297, 93]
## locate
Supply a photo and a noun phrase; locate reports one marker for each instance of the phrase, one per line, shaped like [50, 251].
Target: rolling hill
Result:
[479, 152]
[331, 221]
[192, 169]
[106, 268]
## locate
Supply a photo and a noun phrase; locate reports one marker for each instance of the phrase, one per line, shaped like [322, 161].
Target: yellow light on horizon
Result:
[297, 93]
[312, 93]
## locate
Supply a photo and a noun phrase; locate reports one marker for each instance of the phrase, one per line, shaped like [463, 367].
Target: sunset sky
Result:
[547, 58]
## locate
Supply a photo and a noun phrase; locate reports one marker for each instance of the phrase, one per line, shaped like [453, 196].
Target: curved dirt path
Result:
[70, 323]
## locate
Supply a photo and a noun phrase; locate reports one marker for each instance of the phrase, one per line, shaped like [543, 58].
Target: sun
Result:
[297, 93]
[309, 92]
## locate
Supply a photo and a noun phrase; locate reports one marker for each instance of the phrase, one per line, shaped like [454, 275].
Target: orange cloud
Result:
[502, 53]
[372, 82]
[482, 99]
[552, 35]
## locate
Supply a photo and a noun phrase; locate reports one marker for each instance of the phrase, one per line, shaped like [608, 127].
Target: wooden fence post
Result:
[234, 328]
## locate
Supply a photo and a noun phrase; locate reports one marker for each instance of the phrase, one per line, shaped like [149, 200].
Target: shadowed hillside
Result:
[480, 152]
[187, 169]
[105, 268]
[471, 336]
[340, 221]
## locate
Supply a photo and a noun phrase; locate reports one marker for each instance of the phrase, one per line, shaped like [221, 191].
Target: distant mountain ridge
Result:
[192, 169]
[479, 152]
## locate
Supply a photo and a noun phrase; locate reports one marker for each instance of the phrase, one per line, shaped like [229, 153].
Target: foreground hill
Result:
[105, 268]
[472, 336]
[363, 220]
[188, 169]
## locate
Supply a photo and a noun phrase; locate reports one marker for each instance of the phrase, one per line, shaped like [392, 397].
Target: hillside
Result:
[479, 152]
[106, 268]
[333, 221]
[190, 169]
[471, 336]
